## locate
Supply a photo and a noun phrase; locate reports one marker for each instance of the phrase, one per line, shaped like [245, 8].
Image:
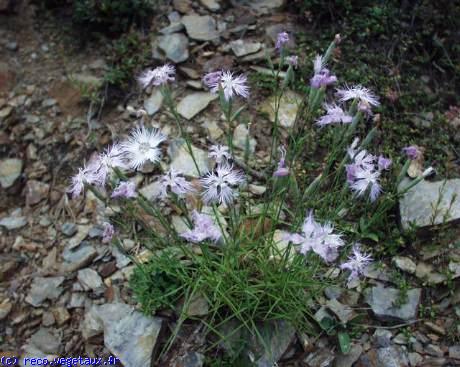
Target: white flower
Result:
[360, 93]
[85, 175]
[334, 115]
[204, 229]
[219, 185]
[111, 157]
[231, 85]
[173, 181]
[318, 64]
[158, 76]
[220, 153]
[356, 263]
[365, 178]
[142, 146]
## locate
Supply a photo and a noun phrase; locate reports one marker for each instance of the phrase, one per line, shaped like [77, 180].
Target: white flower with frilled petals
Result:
[219, 185]
[142, 146]
[220, 153]
[158, 76]
[230, 84]
[360, 93]
[356, 263]
[173, 181]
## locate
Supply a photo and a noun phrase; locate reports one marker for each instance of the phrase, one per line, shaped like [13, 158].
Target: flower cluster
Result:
[364, 172]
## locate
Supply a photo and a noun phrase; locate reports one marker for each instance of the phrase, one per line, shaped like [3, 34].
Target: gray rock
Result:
[46, 340]
[35, 192]
[194, 103]
[92, 324]
[454, 352]
[10, 170]
[201, 28]
[418, 204]
[382, 338]
[405, 264]
[212, 5]
[391, 357]
[152, 190]
[5, 308]
[426, 272]
[242, 48]
[153, 103]
[267, 4]
[343, 312]
[90, 280]
[69, 229]
[322, 357]
[347, 360]
[287, 112]
[43, 289]
[12, 46]
[214, 131]
[454, 268]
[78, 258]
[241, 137]
[175, 46]
[121, 259]
[182, 161]
[13, 222]
[49, 102]
[128, 334]
[383, 302]
[415, 359]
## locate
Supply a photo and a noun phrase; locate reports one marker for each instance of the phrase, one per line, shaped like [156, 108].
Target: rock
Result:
[242, 140]
[242, 48]
[69, 229]
[82, 232]
[454, 352]
[425, 271]
[12, 46]
[454, 268]
[175, 46]
[347, 360]
[212, 5]
[49, 102]
[200, 28]
[153, 104]
[391, 357]
[194, 103]
[405, 264]
[322, 357]
[90, 280]
[43, 289]
[266, 5]
[383, 302]
[434, 350]
[182, 161]
[36, 191]
[46, 340]
[183, 6]
[198, 306]
[415, 359]
[13, 222]
[10, 170]
[5, 308]
[191, 73]
[374, 271]
[214, 131]
[195, 84]
[61, 315]
[287, 112]
[190, 359]
[92, 324]
[121, 259]
[128, 334]
[78, 258]
[152, 190]
[343, 312]
[257, 189]
[418, 203]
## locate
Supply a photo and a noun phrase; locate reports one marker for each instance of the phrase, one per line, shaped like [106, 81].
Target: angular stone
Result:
[418, 204]
[5, 308]
[175, 46]
[190, 359]
[46, 340]
[10, 170]
[36, 191]
[347, 360]
[242, 139]
[287, 112]
[383, 302]
[152, 190]
[90, 279]
[13, 222]
[242, 48]
[343, 312]
[43, 289]
[201, 28]
[128, 334]
[78, 258]
[194, 103]
[322, 357]
[212, 5]
[153, 103]
[182, 161]
[69, 229]
[405, 264]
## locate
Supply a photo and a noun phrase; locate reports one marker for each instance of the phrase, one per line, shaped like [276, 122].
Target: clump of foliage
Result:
[254, 259]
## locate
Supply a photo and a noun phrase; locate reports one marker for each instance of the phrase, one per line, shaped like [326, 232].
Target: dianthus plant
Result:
[253, 242]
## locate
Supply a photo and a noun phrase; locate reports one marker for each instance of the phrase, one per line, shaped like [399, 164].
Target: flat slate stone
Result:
[417, 204]
[200, 28]
[194, 103]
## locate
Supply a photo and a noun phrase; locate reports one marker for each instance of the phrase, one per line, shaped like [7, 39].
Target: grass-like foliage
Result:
[222, 255]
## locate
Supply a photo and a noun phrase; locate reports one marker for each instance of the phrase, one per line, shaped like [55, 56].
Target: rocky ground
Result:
[63, 292]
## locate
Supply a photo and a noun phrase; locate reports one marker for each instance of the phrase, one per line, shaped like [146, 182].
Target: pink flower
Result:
[322, 76]
[282, 170]
[356, 263]
[108, 232]
[412, 152]
[158, 76]
[85, 175]
[125, 189]
[334, 115]
[293, 60]
[321, 239]
[174, 182]
[231, 85]
[204, 229]
[384, 163]
[282, 39]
